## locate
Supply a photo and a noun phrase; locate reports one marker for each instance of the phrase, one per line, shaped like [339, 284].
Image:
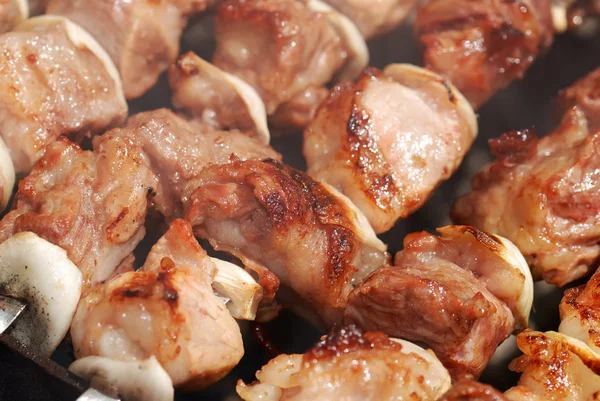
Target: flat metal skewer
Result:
[10, 310]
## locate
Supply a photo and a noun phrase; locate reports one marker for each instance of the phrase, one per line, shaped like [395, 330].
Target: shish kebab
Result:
[60, 186]
[541, 193]
[47, 63]
[561, 366]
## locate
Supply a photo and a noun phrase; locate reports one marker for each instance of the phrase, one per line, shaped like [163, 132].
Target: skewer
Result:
[10, 310]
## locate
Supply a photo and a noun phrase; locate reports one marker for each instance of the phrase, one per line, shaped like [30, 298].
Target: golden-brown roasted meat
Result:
[462, 294]
[555, 367]
[286, 50]
[374, 17]
[469, 390]
[167, 309]
[580, 313]
[54, 82]
[388, 140]
[92, 204]
[352, 366]
[177, 151]
[585, 94]
[303, 231]
[141, 36]
[483, 45]
[542, 194]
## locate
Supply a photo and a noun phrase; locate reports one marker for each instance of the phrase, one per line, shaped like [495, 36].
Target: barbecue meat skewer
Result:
[167, 309]
[92, 204]
[351, 365]
[483, 45]
[142, 37]
[389, 140]
[56, 81]
[314, 45]
[541, 194]
[461, 293]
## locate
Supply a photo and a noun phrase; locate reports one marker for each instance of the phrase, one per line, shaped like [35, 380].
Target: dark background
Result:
[525, 104]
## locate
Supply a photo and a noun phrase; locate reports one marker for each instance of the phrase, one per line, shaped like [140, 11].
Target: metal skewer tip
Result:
[10, 309]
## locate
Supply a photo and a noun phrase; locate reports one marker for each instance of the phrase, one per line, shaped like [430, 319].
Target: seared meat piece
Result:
[454, 293]
[313, 44]
[311, 237]
[166, 309]
[177, 151]
[389, 140]
[92, 204]
[542, 194]
[468, 390]
[555, 367]
[352, 366]
[55, 80]
[580, 313]
[141, 36]
[374, 17]
[585, 94]
[217, 98]
[483, 45]
[11, 13]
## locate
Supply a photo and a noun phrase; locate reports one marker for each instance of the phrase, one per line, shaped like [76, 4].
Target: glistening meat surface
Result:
[446, 293]
[353, 366]
[542, 194]
[483, 45]
[166, 309]
[389, 140]
[51, 86]
[92, 204]
[141, 36]
[177, 150]
[303, 232]
[281, 48]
